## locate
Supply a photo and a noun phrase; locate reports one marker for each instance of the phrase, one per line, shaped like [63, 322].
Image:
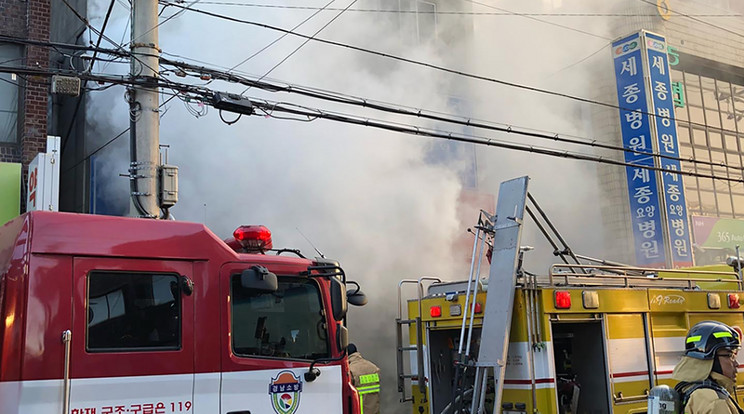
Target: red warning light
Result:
[733, 300]
[478, 307]
[562, 299]
[435, 311]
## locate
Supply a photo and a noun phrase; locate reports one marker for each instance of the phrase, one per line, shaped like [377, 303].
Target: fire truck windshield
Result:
[288, 323]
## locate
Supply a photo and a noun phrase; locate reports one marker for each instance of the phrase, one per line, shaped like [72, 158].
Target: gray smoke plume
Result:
[372, 199]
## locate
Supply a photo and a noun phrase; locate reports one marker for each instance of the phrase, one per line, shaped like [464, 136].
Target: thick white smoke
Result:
[366, 197]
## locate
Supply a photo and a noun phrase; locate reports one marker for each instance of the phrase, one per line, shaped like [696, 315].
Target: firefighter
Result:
[707, 371]
[366, 379]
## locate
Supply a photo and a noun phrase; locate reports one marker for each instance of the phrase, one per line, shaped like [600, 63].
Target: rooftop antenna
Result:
[311, 243]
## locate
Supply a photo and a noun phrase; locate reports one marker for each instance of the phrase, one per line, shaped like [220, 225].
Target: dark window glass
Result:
[288, 323]
[133, 311]
[10, 55]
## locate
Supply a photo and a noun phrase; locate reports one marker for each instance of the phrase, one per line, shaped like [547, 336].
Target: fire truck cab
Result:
[111, 315]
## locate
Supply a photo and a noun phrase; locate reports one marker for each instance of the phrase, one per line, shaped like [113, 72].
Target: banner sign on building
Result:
[43, 179]
[645, 203]
[667, 145]
[718, 233]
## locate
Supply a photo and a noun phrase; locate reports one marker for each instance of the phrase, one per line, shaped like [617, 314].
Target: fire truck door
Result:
[132, 337]
[269, 341]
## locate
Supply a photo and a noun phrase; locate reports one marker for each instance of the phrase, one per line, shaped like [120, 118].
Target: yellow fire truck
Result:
[584, 338]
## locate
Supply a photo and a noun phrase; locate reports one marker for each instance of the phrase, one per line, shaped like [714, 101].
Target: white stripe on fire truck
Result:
[626, 361]
[202, 392]
[518, 371]
[668, 352]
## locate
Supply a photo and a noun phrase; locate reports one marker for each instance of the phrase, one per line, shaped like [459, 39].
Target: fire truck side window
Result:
[131, 311]
[288, 323]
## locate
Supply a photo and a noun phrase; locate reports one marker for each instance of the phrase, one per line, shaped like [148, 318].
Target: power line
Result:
[119, 52]
[449, 12]
[431, 115]
[65, 138]
[582, 60]
[268, 107]
[94, 30]
[283, 35]
[90, 26]
[429, 65]
[126, 26]
[305, 42]
[112, 139]
[167, 19]
[232, 77]
[537, 20]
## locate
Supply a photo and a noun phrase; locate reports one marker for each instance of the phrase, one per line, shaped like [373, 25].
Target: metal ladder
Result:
[418, 348]
[484, 231]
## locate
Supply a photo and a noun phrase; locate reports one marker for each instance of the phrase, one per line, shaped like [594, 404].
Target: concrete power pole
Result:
[144, 110]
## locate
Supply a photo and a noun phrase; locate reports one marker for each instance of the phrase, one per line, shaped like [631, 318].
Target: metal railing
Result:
[628, 276]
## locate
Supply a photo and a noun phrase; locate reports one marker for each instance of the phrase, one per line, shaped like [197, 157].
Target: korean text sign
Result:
[646, 215]
[667, 145]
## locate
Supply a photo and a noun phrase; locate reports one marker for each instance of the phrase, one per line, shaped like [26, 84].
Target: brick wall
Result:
[13, 18]
[29, 19]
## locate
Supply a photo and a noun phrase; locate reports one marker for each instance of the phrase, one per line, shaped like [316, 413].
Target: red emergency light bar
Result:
[253, 237]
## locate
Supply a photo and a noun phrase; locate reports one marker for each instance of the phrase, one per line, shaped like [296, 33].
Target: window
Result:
[426, 21]
[288, 323]
[714, 135]
[10, 55]
[131, 311]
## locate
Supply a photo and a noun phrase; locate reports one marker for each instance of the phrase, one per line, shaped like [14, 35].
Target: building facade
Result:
[706, 61]
[28, 110]
[24, 100]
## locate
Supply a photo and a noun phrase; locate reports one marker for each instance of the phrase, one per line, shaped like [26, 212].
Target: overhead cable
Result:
[282, 36]
[426, 64]
[526, 16]
[66, 137]
[448, 12]
[268, 107]
[425, 114]
[305, 42]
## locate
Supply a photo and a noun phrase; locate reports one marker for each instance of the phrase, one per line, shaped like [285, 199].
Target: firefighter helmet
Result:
[706, 337]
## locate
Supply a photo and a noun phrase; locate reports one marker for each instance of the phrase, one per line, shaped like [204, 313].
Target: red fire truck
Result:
[113, 315]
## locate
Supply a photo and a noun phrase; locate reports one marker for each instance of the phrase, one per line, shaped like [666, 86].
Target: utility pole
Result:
[144, 115]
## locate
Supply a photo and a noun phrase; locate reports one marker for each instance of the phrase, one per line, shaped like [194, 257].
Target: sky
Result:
[386, 205]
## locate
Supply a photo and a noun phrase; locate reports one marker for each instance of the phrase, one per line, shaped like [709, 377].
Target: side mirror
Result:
[356, 297]
[338, 299]
[260, 279]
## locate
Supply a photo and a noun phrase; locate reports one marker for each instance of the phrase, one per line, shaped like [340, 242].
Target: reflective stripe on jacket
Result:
[366, 378]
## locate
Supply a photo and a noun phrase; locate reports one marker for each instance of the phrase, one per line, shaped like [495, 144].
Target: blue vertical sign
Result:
[648, 238]
[666, 144]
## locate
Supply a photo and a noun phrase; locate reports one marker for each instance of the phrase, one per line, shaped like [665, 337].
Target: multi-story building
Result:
[28, 111]
[24, 100]
[706, 58]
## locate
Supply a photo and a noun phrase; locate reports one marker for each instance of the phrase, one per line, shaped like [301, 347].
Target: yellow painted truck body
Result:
[620, 335]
